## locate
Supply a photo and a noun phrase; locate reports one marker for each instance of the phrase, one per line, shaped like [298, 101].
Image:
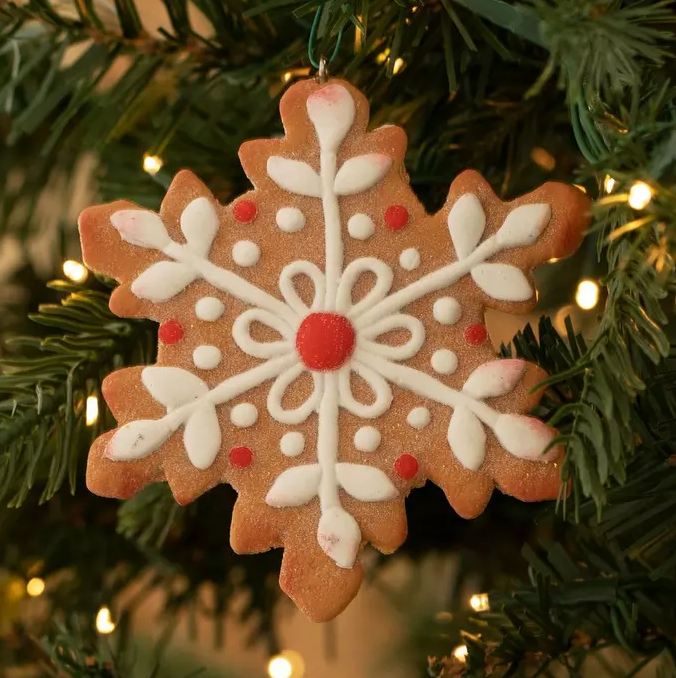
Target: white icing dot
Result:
[360, 226]
[243, 415]
[290, 219]
[409, 259]
[246, 253]
[292, 443]
[206, 357]
[444, 361]
[446, 311]
[367, 439]
[419, 417]
[209, 309]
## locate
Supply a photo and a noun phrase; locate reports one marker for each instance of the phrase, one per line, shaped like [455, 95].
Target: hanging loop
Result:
[322, 72]
[311, 46]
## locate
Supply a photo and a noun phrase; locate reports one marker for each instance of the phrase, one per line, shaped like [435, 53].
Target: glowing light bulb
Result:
[460, 653]
[543, 158]
[640, 194]
[382, 57]
[398, 65]
[280, 667]
[92, 410]
[35, 587]
[104, 622]
[587, 295]
[75, 271]
[152, 164]
[479, 602]
[287, 76]
[609, 184]
[580, 187]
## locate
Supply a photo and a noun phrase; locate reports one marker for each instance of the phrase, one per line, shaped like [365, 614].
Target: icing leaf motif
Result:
[294, 176]
[503, 282]
[339, 536]
[331, 111]
[523, 225]
[295, 486]
[163, 281]
[137, 439]
[202, 436]
[361, 173]
[467, 438]
[199, 223]
[173, 386]
[466, 224]
[141, 228]
[365, 483]
[526, 437]
[495, 378]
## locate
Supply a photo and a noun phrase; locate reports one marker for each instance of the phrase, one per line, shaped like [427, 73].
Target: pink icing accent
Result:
[331, 94]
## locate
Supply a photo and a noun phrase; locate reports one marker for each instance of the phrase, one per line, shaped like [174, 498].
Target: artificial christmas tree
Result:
[574, 91]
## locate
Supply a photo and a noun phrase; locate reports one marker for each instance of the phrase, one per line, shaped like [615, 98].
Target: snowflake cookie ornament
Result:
[322, 346]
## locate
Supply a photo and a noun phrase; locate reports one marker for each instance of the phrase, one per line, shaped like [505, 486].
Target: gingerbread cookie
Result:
[322, 345]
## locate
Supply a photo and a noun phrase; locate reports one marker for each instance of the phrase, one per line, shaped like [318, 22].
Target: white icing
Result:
[525, 437]
[361, 173]
[295, 486]
[447, 310]
[467, 438]
[524, 225]
[262, 349]
[365, 483]
[493, 379]
[244, 415]
[246, 253]
[202, 436]
[206, 357]
[141, 228]
[294, 176]
[381, 389]
[331, 110]
[360, 226]
[502, 281]
[209, 309]
[419, 417]
[409, 259]
[466, 224]
[292, 443]
[199, 223]
[351, 274]
[394, 322]
[276, 393]
[173, 386]
[444, 361]
[367, 439]
[290, 219]
[339, 536]
[137, 439]
[288, 289]
[162, 281]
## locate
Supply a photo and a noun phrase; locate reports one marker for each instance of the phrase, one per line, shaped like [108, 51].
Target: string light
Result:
[280, 667]
[287, 664]
[580, 187]
[587, 295]
[640, 194]
[287, 76]
[75, 271]
[152, 164]
[479, 602]
[104, 621]
[382, 57]
[460, 653]
[35, 587]
[543, 158]
[609, 184]
[398, 65]
[92, 410]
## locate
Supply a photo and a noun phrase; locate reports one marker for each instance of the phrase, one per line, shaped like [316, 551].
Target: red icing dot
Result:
[245, 211]
[475, 335]
[240, 456]
[170, 332]
[406, 466]
[396, 217]
[325, 341]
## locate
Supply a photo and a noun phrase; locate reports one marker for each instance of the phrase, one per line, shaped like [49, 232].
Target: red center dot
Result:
[475, 335]
[325, 341]
[406, 466]
[396, 217]
[170, 332]
[245, 211]
[240, 456]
